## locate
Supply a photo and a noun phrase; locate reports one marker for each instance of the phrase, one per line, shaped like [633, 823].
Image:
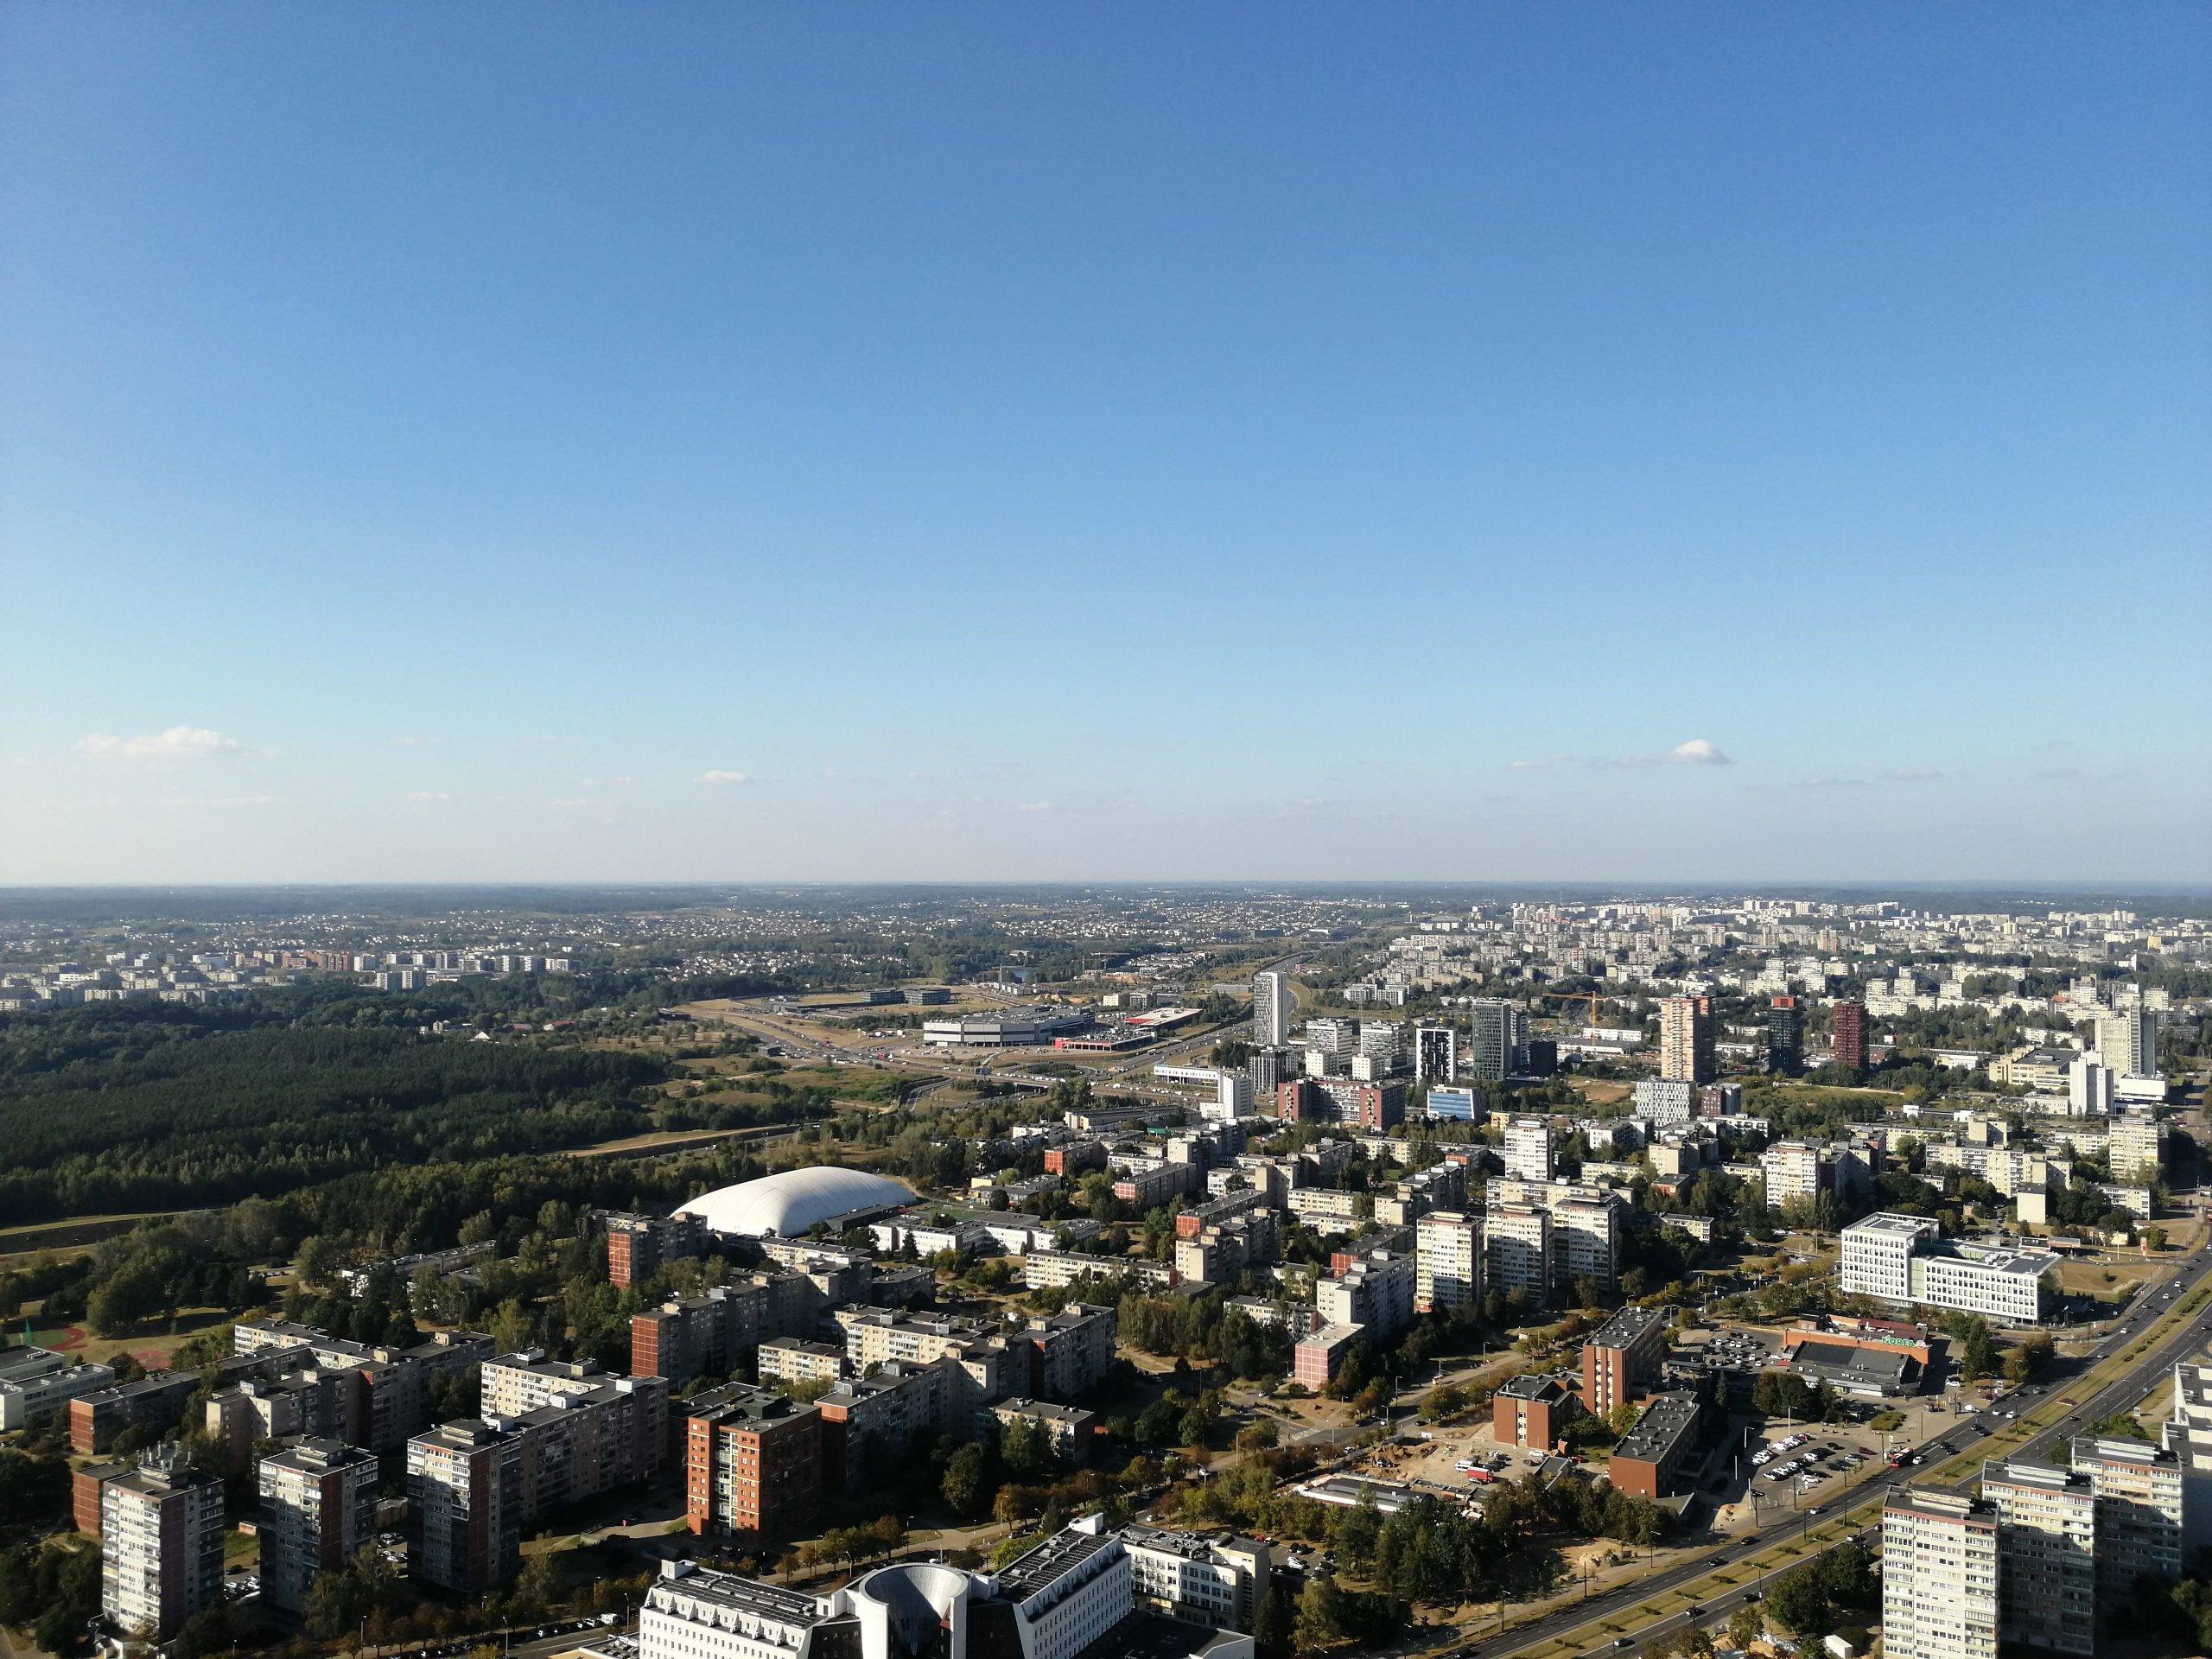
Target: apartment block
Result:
[1939, 1569]
[1685, 1051]
[1448, 1246]
[754, 1465]
[1517, 1250]
[318, 1507]
[1375, 1291]
[161, 1546]
[2140, 1520]
[465, 1496]
[1528, 1150]
[2046, 1555]
[637, 1245]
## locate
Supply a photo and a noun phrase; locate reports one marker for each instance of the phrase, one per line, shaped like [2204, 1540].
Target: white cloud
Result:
[1911, 774]
[220, 802]
[412, 742]
[1836, 783]
[577, 803]
[426, 795]
[1697, 752]
[723, 777]
[608, 783]
[177, 744]
[1036, 806]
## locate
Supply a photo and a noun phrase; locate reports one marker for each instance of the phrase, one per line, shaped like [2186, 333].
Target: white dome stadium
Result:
[794, 1201]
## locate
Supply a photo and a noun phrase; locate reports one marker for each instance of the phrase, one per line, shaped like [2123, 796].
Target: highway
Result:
[1584, 1621]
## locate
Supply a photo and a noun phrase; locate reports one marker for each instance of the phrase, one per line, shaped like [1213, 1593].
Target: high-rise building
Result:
[2046, 1556]
[1624, 1357]
[1517, 1251]
[318, 1507]
[1449, 1247]
[2138, 1490]
[1272, 1007]
[1686, 1039]
[1528, 1148]
[2128, 1039]
[2135, 1145]
[1848, 1034]
[1498, 1032]
[1785, 1035]
[161, 1546]
[1270, 1068]
[1436, 1054]
[464, 1488]
[752, 1461]
[1938, 1577]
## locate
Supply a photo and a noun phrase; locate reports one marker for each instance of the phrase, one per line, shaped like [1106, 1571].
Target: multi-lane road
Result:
[1587, 1621]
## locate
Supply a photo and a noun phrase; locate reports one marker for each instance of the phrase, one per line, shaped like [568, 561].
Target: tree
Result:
[2030, 1356]
[1273, 1627]
[1320, 1622]
[1746, 1625]
[967, 1474]
[1977, 1352]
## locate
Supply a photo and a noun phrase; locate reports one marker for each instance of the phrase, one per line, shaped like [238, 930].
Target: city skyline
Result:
[1526, 447]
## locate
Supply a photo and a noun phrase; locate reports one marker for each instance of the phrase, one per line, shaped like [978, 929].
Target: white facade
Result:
[1528, 1148]
[1938, 1577]
[1272, 1007]
[1449, 1256]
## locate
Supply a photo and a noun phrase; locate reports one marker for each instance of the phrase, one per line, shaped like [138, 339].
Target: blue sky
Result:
[1103, 442]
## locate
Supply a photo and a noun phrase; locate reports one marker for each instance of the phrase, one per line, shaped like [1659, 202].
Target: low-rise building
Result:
[1665, 1442]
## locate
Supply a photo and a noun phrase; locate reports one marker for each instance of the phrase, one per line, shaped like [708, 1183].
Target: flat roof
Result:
[1660, 1429]
[1889, 1221]
[748, 1595]
[1051, 1560]
[1626, 1327]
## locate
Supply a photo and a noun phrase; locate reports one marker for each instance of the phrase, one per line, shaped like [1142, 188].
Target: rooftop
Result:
[741, 1402]
[685, 1580]
[1660, 1429]
[1051, 1560]
[1626, 1327]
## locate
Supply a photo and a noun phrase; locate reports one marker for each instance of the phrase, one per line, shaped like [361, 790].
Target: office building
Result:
[1686, 1039]
[1497, 1032]
[161, 1546]
[35, 1387]
[1938, 1577]
[1622, 1358]
[1665, 1101]
[1847, 1035]
[1062, 1597]
[1367, 1105]
[1662, 1449]
[1785, 1035]
[465, 1495]
[2046, 1556]
[318, 1507]
[1218, 1582]
[1532, 1411]
[1448, 1248]
[1436, 1054]
[1528, 1150]
[1272, 1006]
[1904, 1259]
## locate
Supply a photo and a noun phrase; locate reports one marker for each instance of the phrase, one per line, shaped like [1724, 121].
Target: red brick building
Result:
[752, 1463]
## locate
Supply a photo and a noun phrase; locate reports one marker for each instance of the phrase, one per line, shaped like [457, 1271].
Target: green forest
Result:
[124, 1107]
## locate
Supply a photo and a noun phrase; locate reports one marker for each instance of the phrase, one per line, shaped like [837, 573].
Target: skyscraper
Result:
[1271, 1009]
[1686, 1039]
[1848, 1030]
[1436, 1054]
[1500, 1032]
[1785, 1035]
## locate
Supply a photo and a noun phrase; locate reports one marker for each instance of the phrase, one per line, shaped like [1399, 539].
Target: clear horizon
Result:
[1108, 445]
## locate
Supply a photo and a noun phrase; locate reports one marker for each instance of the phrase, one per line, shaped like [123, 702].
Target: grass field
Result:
[150, 1347]
[2107, 1281]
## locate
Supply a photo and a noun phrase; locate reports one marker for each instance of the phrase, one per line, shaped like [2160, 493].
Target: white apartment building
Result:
[2140, 1518]
[1666, 1100]
[2046, 1550]
[2135, 1142]
[2090, 1085]
[1448, 1250]
[32, 1390]
[1517, 1250]
[2128, 1039]
[1377, 1291]
[1938, 1577]
[1272, 1008]
[161, 1546]
[1528, 1148]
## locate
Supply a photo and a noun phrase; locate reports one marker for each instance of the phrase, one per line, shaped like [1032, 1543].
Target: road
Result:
[1583, 1620]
